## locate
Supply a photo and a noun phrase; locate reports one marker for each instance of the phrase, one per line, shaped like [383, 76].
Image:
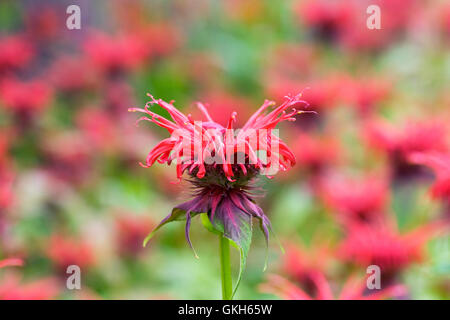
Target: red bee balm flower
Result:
[64, 251]
[15, 53]
[11, 287]
[363, 204]
[130, 230]
[384, 246]
[400, 143]
[15, 95]
[221, 163]
[353, 289]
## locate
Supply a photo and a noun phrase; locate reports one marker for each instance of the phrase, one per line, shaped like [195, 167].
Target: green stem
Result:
[225, 268]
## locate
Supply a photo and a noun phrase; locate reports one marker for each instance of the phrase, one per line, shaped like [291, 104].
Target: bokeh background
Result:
[372, 182]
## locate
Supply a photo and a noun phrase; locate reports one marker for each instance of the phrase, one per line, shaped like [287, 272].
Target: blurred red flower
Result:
[64, 251]
[72, 74]
[384, 246]
[316, 153]
[302, 264]
[68, 156]
[15, 53]
[25, 97]
[99, 127]
[122, 53]
[444, 19]
[360, 199]
[114, 55]
[344, 22]
[44, 23]
[132, 231]
[353, 289]
[159, 39]
[11, 288]
[7, 175]
[326, 18]
[6, 190]
[366, 94]
[400, 142]
[11, 262]
[117, 98]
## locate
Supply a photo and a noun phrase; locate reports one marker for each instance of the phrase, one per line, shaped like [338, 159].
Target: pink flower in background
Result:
[316, 153]
[43, 23]
[444, 19]
[159, 36]
[115, 55]
[117, 98]
[25, 97]
[130, 232]
[353, 289]
[302, 264]
[16, 52]
[159, 39]
[7, 175]
[11, 288]
[4, 148]
[64, 251]
[125, 52]
[26, 101]
[72, 74]
[99, 127]
[11, 262]
[362, 199]
[344, 22]
[6, 189]
[400, 142]
[326, 18]
[384, 246]
[366, 94]
[413, 137]
[68, 157]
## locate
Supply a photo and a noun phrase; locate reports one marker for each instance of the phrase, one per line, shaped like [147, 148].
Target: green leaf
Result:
[176, 215]
[207, 224]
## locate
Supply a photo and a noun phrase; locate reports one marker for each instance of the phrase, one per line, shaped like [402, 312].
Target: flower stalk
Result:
[225, 268]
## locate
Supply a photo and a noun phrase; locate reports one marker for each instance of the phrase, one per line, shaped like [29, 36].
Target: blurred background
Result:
[372, 180]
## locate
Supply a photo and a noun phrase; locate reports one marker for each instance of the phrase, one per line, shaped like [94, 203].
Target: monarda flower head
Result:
[221, 164]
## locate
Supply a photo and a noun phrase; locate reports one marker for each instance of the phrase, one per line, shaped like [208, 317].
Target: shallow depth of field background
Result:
[72, 190]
